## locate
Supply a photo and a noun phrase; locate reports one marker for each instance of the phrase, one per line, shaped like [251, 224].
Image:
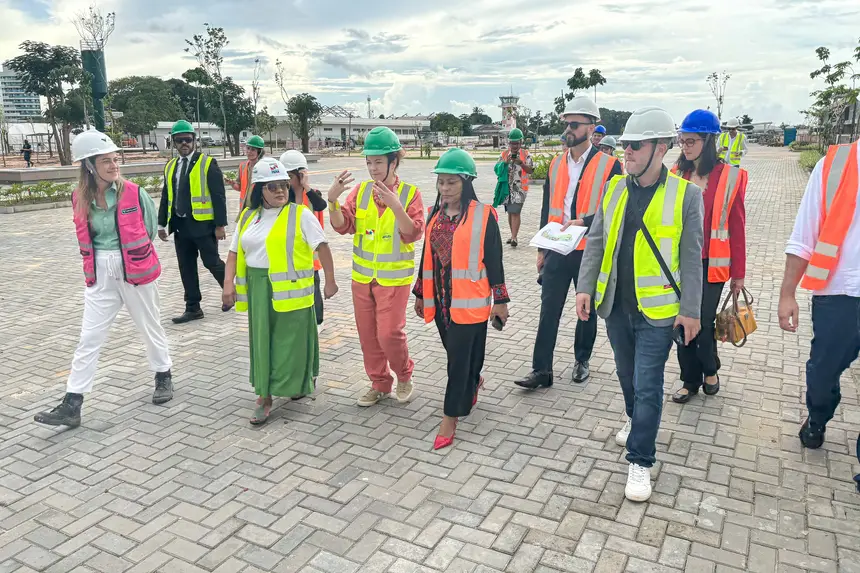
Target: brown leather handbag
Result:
[734, 324]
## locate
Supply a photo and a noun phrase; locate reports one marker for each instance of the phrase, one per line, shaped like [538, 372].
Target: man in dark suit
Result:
[571, 196]
[193, 208]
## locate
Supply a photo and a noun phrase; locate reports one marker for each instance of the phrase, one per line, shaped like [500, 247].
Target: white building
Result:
[161, 134]
[333, 131]
[18, 105]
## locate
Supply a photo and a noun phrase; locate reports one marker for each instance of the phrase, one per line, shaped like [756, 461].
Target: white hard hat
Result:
[732, 123]
[294, 159]
[608, 141]
[91, 143]
[269, 169]
[581, 105]
[649, 123]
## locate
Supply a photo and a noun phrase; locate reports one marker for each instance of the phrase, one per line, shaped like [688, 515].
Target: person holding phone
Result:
[255, 148]
[461, 283]
[271, 261]
[643, 268]
[724, 249]
[385, 216]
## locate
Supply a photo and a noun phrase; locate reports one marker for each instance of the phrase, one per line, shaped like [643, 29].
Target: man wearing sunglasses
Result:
[649, 221]
[193, 208]
[571, 194]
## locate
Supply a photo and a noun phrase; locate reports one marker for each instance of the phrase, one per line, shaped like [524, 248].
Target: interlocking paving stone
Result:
[533, 483]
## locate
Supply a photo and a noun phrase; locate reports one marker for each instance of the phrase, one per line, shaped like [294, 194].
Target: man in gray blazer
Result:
[633, 293]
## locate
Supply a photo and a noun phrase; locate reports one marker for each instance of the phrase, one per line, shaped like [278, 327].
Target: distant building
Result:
[335, 130]
[18, 106]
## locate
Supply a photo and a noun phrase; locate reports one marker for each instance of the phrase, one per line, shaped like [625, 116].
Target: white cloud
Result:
[451, 56]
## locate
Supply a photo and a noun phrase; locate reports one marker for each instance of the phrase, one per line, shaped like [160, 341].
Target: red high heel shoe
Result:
[480, 386]
[443, 442]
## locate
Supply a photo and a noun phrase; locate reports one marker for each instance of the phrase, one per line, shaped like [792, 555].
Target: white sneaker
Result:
[371, 398]
[404, 391]
[638, 483]
[623, 433]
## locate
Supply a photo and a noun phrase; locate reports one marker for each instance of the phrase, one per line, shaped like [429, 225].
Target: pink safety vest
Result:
[140, 263]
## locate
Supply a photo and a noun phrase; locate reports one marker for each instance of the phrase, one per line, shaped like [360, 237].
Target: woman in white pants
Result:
[115, 222]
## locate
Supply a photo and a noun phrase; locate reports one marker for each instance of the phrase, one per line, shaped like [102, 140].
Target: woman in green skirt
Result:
[270, 275]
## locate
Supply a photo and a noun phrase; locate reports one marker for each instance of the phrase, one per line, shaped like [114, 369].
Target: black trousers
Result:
[465, 345]
[190, 242]
[699, 358]
[318, 299]
[557, 274]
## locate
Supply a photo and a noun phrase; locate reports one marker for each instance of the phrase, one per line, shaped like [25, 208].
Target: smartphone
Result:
[678, 335]
[497, 323]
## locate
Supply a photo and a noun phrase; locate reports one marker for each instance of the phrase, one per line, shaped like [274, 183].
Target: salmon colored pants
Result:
[380, 317]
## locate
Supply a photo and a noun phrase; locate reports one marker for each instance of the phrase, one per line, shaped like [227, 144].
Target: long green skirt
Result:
[285, 354]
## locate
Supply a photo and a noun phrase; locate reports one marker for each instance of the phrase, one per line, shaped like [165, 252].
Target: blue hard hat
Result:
[700, 121]
[599, 129]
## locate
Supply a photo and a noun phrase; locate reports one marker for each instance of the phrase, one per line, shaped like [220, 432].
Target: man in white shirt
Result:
[732, 144]
[822, 256]
[571, 196]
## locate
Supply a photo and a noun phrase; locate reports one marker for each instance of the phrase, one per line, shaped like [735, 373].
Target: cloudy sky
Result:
[449, 55]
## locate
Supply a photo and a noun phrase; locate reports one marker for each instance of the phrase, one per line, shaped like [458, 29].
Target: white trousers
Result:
[102, 302]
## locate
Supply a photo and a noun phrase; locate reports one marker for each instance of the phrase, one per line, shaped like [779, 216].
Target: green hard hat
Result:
[256, 141]
[381, 141]
[181, 126]
[456, 162]
[515, 135]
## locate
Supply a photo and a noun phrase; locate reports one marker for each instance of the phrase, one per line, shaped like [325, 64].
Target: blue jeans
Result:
[835, 345]
[641, 351]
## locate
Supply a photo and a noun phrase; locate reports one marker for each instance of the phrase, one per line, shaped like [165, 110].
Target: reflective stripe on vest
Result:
[201, 200]
[244, 180]
[734, 154]
[319, 216]
[290, 262]
[524, 177]
[664, 220]
[395, 266]
[591, 185]
[732, 181]
[839, 192]
[471, 294]
[556, 177]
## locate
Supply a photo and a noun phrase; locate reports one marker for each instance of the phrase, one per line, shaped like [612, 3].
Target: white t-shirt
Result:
[254, 239]
[807, 226]
[574, 169]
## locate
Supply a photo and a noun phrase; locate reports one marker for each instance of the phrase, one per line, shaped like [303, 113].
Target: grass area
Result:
[809, 158]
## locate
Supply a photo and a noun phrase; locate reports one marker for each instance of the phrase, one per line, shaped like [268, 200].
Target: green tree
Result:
[143, 101]
[381, 116]
[238, 113]
[465, 124]
[52, 72]
[188, 95]
[717, 82]
[828, 112]
[304, 113]
[478, 117]
[745, 119]
[208, 50]
[579, 81]
[614, 120]
[447, 123]
[266, 122]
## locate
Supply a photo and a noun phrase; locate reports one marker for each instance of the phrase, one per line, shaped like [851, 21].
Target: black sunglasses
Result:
[634, 145]
[183, 139]
[576, 124]
[277, 186]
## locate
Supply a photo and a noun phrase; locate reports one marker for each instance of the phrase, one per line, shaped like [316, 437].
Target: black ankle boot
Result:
[68, 413]
[163, 388]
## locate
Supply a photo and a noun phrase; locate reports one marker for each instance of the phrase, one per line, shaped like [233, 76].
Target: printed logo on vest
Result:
[129, 210]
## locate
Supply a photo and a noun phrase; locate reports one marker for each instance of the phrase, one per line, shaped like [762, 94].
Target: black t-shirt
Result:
[637, 198]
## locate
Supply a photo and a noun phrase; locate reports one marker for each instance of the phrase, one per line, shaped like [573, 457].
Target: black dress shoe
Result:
[188, 316]
[812, 435]
[535, 380]
[581, 372]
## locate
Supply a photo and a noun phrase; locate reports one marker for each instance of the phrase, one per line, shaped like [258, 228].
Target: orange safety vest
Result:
[471, 295]
[591, 185]
[244, 180]
[733, 181]
[524, 179]
[319, 216]
[839, 189]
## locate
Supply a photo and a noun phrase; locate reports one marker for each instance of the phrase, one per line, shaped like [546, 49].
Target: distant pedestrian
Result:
[27, 149]
[520, 166]
[598, 135]
[732, 144]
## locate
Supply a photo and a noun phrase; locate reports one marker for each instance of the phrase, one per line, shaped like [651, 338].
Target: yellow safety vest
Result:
[201, 200]
[377, 250]
[735, 151]
[291, 262]
[664, 220]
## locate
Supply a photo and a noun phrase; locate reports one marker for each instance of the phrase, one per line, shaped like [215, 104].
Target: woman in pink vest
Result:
[115, 221]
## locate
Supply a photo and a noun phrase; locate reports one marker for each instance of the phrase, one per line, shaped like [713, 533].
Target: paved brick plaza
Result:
[534, 482]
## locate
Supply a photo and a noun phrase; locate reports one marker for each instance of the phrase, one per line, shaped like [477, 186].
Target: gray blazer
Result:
[692, 238]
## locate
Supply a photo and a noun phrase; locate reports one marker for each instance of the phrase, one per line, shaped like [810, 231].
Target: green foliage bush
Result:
[809, 158]
[541, 162]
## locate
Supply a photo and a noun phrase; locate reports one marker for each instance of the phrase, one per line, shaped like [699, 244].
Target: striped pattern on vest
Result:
[839, 191]
[733, 156]
[319, 216]
[733, 180]
[471, 294]
[524, 177]
[201, 201]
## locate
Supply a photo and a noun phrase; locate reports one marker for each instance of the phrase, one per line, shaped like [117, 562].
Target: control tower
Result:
[509, 106]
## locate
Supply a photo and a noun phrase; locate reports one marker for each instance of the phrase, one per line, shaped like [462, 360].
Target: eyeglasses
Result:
[634, 145]
[689, 142]
[575, 124]
[183, 139]
[277, 186]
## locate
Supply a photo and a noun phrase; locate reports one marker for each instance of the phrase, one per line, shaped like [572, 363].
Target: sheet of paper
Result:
[553, 238]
